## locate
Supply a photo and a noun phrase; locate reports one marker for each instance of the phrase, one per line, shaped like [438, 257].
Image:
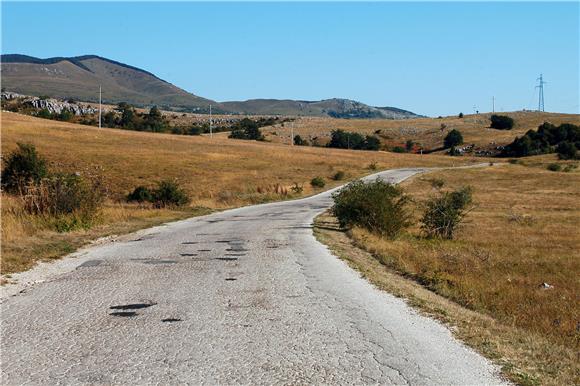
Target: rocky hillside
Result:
[79, 78]
[335, 108]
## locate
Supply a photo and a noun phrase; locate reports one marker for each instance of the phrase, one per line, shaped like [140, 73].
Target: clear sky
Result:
[430, 58]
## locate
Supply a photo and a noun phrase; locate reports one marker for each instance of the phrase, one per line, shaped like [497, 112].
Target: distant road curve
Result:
[245, 296]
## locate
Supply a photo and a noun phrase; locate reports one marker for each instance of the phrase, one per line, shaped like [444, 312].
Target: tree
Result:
[409, 145]
[372, 143]
[454, 138]
[460, 115]
[247, 129]
[567, 150]
[501, 122]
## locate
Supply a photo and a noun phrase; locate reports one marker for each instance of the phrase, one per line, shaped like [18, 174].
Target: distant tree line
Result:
[348, 140]
[563, 139]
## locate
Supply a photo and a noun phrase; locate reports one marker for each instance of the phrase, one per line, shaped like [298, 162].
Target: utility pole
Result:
[100, 100]
[210, 128]
[540, 85]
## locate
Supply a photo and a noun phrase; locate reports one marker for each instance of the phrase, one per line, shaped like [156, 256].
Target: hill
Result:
[79, 78]
[427, 133]
[336, 108]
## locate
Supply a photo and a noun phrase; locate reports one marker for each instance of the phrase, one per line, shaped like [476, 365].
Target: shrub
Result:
[514, 161]
[460, 115]
[70, 201]
[299, 141]
[169, 193]
[567, 150]
[23, 167]
[570, 167]
[140, 194]
[453, 138]
[501, 122]
[409, 145]
[318, 182]
[444, 213]
[398, 149]
[338, 175]
[554, 167]
[377, 206]
[372, 166]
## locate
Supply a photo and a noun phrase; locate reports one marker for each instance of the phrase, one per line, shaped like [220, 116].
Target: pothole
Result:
[231, 279]
[227, 258]
[188, 254]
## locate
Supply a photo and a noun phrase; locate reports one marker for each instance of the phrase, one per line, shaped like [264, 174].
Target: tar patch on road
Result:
[171, 320]
[226, 258]
[90, 263]
[124, 313]
[132, 306]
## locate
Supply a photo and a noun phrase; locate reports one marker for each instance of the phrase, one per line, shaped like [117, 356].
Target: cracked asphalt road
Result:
[246, 296]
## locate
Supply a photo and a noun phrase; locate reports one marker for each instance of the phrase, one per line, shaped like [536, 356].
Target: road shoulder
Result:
[488, 337]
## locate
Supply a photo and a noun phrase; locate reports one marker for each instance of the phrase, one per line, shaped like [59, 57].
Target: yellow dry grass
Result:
[217, 173]
[424, 131]
[522, 233]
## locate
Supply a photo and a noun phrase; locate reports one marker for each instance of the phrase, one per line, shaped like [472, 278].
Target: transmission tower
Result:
[540, 86]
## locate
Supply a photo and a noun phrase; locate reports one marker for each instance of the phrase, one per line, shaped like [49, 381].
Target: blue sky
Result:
[431, 58]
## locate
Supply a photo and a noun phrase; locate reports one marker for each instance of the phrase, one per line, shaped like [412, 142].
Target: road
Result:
[245, 296]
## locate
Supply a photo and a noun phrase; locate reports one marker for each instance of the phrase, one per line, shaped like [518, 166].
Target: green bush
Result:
[554, 167]
[318, 182]
[140, 194]
[377, 206]
[338, 176]
[169, 193]
[453, 138]
[398, 149]
[501, 122]
[23, 167]
[444, 213]
[460, 115]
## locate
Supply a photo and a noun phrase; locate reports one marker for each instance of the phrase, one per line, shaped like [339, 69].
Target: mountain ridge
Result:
[78, 77]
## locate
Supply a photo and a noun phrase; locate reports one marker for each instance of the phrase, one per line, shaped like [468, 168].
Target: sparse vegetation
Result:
[298, 141]
[377, 206]
[554, 167]
[501, 122]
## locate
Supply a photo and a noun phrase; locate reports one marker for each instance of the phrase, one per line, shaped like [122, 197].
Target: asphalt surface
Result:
[246, 296]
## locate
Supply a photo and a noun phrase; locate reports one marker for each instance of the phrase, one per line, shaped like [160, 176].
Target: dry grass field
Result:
[424, 131]
[522, 233]
[217, 173]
